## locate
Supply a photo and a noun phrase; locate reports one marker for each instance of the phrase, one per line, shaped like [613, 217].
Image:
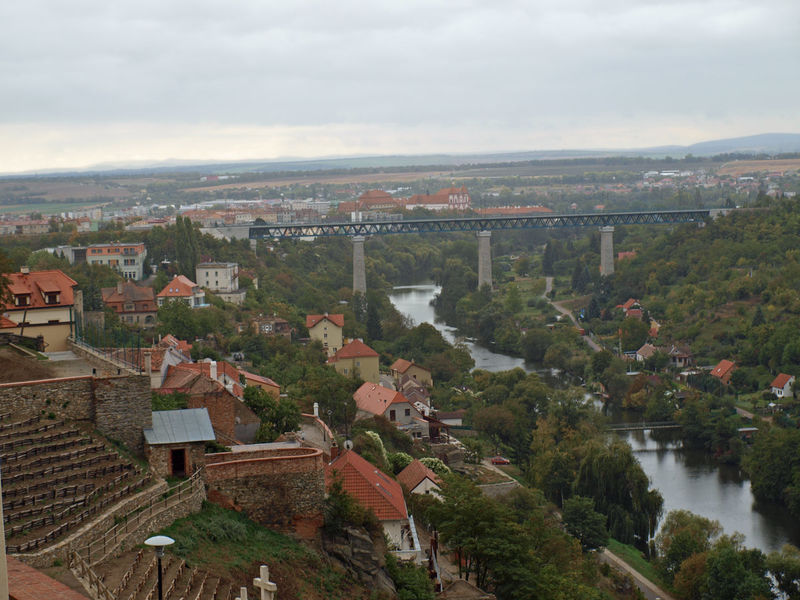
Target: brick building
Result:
[134, 304]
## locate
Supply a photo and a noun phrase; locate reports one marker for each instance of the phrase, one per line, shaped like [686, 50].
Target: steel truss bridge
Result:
[446, 225]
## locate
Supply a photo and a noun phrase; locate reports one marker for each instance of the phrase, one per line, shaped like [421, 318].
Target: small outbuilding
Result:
[176, 444]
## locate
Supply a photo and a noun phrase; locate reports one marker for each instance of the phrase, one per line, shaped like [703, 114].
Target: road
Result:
[650, 590]
[548, 287]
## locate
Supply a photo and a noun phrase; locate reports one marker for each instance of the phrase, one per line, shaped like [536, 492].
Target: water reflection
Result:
[688, 479]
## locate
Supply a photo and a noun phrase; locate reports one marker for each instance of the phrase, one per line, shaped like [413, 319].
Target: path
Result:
[548, 287]
[649, 589]
[748, 415]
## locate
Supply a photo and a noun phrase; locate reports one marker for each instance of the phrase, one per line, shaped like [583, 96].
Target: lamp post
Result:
[159, 542]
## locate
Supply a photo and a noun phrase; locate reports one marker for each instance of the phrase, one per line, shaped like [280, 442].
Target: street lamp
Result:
[159, 542]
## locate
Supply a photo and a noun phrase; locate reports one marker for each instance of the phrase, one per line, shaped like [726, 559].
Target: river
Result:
[687, 479]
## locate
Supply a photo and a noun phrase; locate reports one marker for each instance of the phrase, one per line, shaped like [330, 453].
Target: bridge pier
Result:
[484, 258]
[359, 268]
[606, 251]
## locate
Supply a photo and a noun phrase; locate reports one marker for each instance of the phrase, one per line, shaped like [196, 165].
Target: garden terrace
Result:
[132, 576]
[56, 476]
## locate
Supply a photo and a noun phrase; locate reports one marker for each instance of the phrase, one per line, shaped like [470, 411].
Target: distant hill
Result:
[766, 143]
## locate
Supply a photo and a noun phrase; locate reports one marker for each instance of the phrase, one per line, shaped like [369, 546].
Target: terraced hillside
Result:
[56, 477]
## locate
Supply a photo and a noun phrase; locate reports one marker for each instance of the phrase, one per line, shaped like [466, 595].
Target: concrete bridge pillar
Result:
[606, 251]
[359, 268]
[484, 258]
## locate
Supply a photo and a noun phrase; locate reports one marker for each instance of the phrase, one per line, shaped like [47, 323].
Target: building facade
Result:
[41, 303]
[135, 305]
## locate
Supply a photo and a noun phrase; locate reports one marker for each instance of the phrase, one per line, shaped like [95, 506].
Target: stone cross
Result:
[268, 589]
[242, 594]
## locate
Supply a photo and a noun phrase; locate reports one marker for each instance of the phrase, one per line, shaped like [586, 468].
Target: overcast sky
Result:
[92, 81]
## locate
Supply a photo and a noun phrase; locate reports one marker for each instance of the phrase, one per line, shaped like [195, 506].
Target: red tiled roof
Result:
[355, 349]
[180, 287]
[312, 320]
[37, 283]
[258, 379]
[130, 293]
[629, 302]
[401, 365]
[6, 323]
[26, 583]
[513, 210]
[369, 486]
[722, 368]
[781, 380]
[415, 473]
[375, 399]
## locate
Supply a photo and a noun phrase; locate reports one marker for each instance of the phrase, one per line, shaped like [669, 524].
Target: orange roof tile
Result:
[415, 473]
[180, 287]
[312, 320]
[130, 293]
[6, 323]
[724, 367]
[26, 583]
[781, 380]
[375, 399]
[36, 284]
[401, 365]
[369, 486]
[258, 379]
[355, 349]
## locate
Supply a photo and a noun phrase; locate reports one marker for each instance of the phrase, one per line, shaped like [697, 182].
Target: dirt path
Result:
[548, 287]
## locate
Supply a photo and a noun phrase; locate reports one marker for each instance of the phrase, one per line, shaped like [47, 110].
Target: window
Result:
[392, 415]
[22, 300]
[51, 298]
[408, 412]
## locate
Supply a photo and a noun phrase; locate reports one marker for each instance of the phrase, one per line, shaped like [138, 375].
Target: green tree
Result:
[785, 568]
[277, 416]
[582, 521]
[683, 534]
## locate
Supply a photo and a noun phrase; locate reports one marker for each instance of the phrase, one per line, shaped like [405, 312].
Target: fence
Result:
[117, 345]
[84, 571]
[144, 510]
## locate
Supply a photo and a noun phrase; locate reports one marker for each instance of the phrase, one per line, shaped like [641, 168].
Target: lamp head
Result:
[158, 542]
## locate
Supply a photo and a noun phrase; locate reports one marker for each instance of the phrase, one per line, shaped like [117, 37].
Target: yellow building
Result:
[356, 357]
[327, 329]
[411, 369]
[40, 303]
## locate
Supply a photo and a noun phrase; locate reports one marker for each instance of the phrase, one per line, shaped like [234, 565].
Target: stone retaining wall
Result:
[279, 488]
[120, 407]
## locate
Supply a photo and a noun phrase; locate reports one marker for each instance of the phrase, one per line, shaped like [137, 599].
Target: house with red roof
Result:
[376, 491]
[134, 304]
[232, 420]
[402, 367]
[782, 385]
[356, 358]
[184, 289]
[41, 303]
[723, 371]
[375, 400]
[419, 479]
[265, 383]
[327, 329]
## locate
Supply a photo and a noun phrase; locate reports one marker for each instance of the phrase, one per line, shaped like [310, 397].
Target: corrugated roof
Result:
[180, 426]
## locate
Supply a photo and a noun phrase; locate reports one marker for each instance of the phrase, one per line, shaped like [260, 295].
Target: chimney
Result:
[213, 368]
[148, 363]
[119, 287]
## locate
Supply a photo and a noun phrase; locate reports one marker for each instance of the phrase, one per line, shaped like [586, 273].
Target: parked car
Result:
[499, 460]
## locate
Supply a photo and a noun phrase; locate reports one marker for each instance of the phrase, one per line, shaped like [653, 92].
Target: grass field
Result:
[738, 168]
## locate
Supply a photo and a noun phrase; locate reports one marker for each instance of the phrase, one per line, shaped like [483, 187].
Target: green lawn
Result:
[636, 559]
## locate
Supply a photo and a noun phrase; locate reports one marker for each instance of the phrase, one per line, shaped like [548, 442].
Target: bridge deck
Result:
[442, 225]
[643, 426]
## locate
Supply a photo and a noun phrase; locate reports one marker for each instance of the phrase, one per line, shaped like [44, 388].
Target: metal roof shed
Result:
[179, 427]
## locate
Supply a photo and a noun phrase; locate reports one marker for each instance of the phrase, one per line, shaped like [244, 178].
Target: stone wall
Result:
[280, 488]
[159, 457]
[120, 407]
